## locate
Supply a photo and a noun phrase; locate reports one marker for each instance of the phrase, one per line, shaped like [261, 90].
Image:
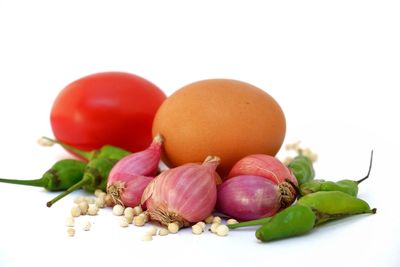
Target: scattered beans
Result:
[202, 224]
[45, 142]
[293, 146]
[70, 231]
[145, 216]
[93, 210]
[109, 201]
[90, 200]
[163, 232]
[216, 219]
[69, 221]
[231, 221]
[99, 193]
[123, 222]
[129, 212]
[310, 154]
[152, 231]
[222, 230]
[129, 218]
[86, 225]
[137, 210]
[197, 229]
[137, 217]
[209, 219]
[78, 199]
[118, 210]
[75, 211]
[287, 160]
[139, 220]
[100, 202]
[214, 227]
[84, 206]
[173, 228]
[147, 237]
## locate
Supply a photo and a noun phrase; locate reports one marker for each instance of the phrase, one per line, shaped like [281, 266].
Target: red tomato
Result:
[113, 108]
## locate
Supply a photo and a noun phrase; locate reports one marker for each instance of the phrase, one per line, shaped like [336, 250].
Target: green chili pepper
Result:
[293, 221]
[60, 176]
[310, 187]
[331, 205]
[106, 151]
[95, 177]
[347, 186]
[302, 168]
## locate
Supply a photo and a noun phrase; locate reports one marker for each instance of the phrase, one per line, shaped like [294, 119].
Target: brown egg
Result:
[226, 118]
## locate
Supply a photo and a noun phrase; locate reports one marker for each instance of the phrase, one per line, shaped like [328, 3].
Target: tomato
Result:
[113, 108]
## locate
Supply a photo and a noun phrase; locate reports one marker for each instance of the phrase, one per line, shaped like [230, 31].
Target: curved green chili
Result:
[95, 177]
[331, 205]
[302, 168]
[60, 176]
[347, 186]
[293, 221]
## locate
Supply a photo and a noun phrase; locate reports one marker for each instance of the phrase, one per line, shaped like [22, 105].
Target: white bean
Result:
[147, 237]
[70, 231]
[86, 225]
[69, 221]
[93, 210]
[75, 211]
[173, 228]
[118, 210]
[123, 222]
[197, 229]
[222, 230]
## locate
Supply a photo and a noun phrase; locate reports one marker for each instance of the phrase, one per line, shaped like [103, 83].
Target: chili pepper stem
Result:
[84, 154]
[76, 186]
[369, 169]
[42, 182]
[249, 223]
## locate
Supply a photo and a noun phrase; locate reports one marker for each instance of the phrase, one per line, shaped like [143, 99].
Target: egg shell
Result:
[222, 117]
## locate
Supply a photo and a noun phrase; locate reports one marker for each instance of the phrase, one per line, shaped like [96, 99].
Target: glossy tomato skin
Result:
[113, 108]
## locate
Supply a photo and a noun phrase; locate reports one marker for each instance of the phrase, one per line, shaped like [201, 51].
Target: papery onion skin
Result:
[248, 197]
[130, 175]
[265, 166]
[185, 194]
[140, 163]
[131, 191]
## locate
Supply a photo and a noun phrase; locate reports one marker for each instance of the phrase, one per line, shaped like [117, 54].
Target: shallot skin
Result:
[130, 175]
[185, 194]
[140, 163]
[132, 190]
[248, 197]
[265, 166]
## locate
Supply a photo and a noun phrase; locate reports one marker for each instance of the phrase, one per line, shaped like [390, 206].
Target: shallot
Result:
[183, 195]
[130, 176]
[263, 165]
[269, 168]
[249, 197]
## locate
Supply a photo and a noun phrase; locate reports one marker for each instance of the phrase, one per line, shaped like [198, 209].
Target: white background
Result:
[334, 66]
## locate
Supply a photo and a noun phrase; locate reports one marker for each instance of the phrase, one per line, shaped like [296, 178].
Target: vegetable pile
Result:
[253, 188]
